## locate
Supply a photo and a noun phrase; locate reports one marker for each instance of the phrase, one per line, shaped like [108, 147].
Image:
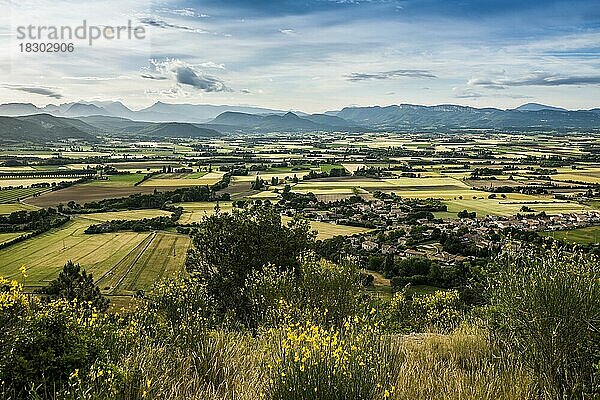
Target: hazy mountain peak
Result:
[537, 107]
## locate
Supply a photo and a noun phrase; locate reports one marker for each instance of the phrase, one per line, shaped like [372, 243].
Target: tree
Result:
[73, 283]
[229, 246]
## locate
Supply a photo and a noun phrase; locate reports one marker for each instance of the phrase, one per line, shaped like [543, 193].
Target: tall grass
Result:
[457, 366]
[241, 367]
[547, 307]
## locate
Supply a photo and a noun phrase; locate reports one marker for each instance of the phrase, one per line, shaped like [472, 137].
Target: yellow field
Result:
[341, 184]
[266, 194]
[12, 207]
[323, 192]
[25, 182]
[587, 177]
[425, 182]
[193, 212]
[269, 176]
[508, 207]
[6, 237]
[326, 230]
[353, 167]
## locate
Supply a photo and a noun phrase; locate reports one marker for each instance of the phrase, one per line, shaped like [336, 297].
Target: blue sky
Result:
[314, 55]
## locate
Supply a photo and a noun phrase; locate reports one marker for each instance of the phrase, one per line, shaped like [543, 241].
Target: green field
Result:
[8, 208]
[121, 263]
[129, 214]
[329, 167]
[196, 175]
[118, 180]
[6, 237]
[14, 195]
[586, 235]
[177, 180]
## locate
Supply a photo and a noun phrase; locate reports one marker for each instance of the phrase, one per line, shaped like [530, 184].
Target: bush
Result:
[228, 247]
[50, 344]
[438, 311]
[316, 363]
[322, 293]
[548, 315]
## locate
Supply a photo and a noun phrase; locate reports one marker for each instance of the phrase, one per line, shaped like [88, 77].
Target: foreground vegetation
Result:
[260, 317]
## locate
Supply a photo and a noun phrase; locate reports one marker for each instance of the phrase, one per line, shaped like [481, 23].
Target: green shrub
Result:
[439, 311]
[321, 292]
[547, 313]
[50, 343]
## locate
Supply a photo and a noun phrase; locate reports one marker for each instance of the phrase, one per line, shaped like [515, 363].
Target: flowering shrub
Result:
[42, 344]
[286, 297]
[332, 363]
[440, 311]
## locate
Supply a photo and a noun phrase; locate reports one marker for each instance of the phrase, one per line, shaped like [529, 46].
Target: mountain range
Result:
[88, 120]
[158, 112]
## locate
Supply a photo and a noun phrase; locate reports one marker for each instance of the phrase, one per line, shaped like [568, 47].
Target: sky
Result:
[308, 55]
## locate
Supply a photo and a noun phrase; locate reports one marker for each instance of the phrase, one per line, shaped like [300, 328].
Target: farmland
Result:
[120, 262]
[14, 195]
[178, 180]
[499, 175]
[580, 236]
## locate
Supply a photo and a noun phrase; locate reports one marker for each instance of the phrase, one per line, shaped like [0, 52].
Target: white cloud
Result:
[183, 73]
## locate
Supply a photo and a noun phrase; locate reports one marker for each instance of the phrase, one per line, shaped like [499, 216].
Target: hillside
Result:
[44, 128]
[122, 127]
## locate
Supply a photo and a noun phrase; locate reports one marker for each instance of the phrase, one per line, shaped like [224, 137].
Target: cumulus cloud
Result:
[397, 73]
[536, 79]
[41, 90]
[183, 73]
[187, 76]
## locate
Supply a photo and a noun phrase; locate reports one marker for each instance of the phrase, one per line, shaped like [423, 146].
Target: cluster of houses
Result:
[480, 232]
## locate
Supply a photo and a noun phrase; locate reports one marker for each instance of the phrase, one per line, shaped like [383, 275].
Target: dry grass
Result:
[457, 366]
[233, 366]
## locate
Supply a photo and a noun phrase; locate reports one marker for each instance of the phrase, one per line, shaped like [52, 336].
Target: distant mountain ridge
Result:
[158, 112]
[449, 116]
[538, 107]
[209, 120]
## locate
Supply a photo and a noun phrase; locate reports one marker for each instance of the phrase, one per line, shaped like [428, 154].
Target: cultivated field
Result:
[82, 194]
[121, 262]
[6, 237]
[5, 183]
[179, 180]
[193, 212]
[13, 195]
[582, 236]
[326, 230]
[8, 208]
[512, 206]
